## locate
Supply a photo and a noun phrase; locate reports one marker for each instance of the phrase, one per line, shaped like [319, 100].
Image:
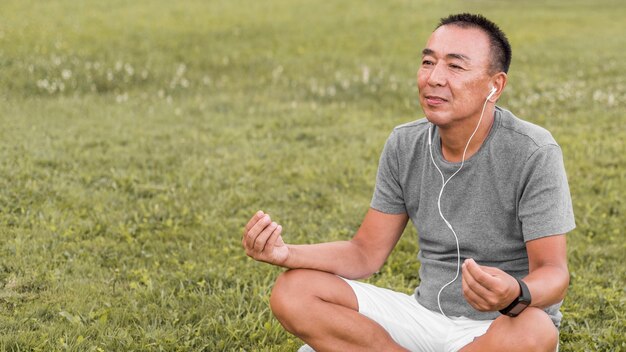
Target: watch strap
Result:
[523, 301]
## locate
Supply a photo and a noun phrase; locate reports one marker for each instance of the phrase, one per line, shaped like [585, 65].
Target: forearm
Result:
[548, 285]
[343, 258]
[357, 258]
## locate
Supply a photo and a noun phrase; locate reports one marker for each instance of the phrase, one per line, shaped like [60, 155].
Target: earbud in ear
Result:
[492, 92]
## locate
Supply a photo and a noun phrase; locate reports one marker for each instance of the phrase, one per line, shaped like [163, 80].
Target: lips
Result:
[434, 100]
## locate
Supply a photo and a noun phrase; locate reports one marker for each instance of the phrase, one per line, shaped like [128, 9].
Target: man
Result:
[488, 195]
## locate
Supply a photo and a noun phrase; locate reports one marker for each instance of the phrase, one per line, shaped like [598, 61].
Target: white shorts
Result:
[413, 326]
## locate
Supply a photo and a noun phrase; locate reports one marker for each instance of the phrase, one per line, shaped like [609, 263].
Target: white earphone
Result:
[492, 92]
[444, 183]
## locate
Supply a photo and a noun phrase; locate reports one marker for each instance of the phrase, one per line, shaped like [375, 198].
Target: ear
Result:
[498, 81]
[492, 92]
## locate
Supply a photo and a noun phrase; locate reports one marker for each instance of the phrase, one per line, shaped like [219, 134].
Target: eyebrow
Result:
[451, 55]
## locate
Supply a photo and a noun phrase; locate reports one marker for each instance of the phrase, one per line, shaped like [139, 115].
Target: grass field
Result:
[138, 137]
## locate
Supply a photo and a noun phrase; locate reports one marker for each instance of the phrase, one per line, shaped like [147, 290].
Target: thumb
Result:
[492, 270]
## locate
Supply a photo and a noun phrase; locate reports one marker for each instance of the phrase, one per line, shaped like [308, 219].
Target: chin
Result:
[436, 118]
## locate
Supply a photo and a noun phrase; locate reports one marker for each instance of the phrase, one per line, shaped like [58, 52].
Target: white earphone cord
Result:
[444, 183]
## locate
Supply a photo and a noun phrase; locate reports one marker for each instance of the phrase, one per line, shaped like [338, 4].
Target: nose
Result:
[437, 76]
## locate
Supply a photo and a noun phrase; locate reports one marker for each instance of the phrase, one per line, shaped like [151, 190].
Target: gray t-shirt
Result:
[513, 190]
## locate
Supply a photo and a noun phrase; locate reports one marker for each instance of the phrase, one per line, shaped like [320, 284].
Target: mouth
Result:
[434, 100]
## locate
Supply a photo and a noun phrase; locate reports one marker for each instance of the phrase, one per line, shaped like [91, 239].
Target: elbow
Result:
[371, 266]
[561, 281]
[368, 262]
[370, 272]
[566, 282]
[363, 272]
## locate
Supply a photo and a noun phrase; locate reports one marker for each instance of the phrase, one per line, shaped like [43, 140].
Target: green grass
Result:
[138, 137]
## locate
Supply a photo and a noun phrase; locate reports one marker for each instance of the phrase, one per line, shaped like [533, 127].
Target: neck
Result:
[454, 138]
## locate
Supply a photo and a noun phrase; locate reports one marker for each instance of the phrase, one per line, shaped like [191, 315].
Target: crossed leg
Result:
[322, 309]
[532, 330]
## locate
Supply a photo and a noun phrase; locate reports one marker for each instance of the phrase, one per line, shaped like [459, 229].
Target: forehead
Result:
[472, 43]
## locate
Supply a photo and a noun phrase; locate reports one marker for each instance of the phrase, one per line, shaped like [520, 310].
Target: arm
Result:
[491, 289]
[548, 277]
[359, 257]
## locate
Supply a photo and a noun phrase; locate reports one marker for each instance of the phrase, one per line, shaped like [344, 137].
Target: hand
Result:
[487, 288]
[262, 240]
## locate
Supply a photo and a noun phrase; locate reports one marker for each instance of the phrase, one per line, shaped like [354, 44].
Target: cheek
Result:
[477, 89]
[422, 78]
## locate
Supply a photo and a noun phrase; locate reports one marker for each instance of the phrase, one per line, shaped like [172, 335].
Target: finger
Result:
[253, 220]
[494, 272]
[474, 299]
[275, 239]
[472, 283]
[481, 276]
[254, 232]
[474, 290]
[261, 239]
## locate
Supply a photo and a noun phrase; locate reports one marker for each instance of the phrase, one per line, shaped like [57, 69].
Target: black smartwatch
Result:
[520, 303]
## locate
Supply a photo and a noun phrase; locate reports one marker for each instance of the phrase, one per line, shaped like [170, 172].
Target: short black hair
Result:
[500, 47]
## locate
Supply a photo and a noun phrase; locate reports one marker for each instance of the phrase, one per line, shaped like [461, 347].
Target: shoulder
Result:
[421, 124]
[524, 134]
[410, 132]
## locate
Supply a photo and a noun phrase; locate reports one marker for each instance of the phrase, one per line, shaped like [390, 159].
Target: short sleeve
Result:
[388, 196]
[545, 205]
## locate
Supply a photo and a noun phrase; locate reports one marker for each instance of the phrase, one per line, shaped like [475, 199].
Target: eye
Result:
[456, 67]
[427, 62]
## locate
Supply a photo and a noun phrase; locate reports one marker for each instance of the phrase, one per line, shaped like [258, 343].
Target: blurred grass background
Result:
[138, 138]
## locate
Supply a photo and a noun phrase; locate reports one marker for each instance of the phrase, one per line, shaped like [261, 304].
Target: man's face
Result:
[453, 78]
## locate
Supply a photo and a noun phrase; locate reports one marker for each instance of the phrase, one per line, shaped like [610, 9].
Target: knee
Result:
[545, 335]
[287, 295]
[534, 328]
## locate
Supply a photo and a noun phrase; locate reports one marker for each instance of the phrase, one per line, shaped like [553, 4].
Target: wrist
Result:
[521, 302]
[516, 291]
[287, 262]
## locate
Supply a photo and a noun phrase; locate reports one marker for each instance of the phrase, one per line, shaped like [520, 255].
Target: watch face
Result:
[519, 307]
